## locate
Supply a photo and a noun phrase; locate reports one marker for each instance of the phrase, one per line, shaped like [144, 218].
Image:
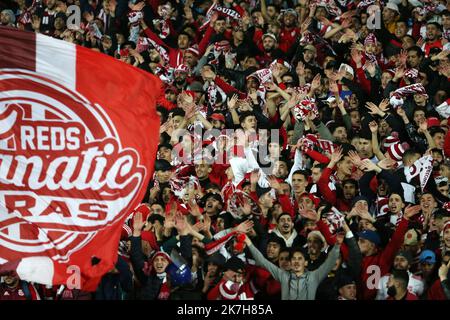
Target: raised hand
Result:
[334, 87]
[355, 159]
[423, 126]
[401, 112]
[273, 182]
[88, 16]
[443, 271]
[181, 224]
[387, 164]
[356, 56]
[420, 42]
[138, 224]
[35, 22]
[368, 165]
[411, 211]
[384, 105]
[373, 126]
[309, 214]
[374, 110]
[245, 226]
[336, 156]
[300, 68]
[232, 102]
[136, 7]
[315, 84]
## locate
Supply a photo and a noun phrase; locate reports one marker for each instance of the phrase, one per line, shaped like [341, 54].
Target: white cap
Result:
[347, 68]
[415, 3]
[331, 99]
[392, 6]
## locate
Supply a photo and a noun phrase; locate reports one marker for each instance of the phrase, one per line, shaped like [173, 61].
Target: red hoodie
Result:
[381, 261]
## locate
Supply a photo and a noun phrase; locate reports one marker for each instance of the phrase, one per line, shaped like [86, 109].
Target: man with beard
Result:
[190, 57]
[315, 243]
[281, 169]
[180, 77]
[398, 286]
[402, 261]
[7, 18]
[269, 50]
[289, 32]
[339, 132]
[415, 57]
[266, 199]
[12, 288]
[434, 39]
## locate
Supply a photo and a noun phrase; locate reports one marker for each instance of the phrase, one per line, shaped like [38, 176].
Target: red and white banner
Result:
[78, 139]
[423, 168]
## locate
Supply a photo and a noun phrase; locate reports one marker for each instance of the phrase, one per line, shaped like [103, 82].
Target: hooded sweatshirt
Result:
[293, 287]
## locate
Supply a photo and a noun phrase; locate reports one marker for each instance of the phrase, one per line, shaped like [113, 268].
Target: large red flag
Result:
[78, 139]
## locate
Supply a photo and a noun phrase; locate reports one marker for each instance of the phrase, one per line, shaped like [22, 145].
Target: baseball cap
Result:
[441, 181]
[407, 255]
[271, 35]
[433, 122]
[411, 238]
[347, 68]
[371, 236]
[310, 47]
[392, 6]
[217, 116]
[427, 256]
[344, 280]
[331, 99]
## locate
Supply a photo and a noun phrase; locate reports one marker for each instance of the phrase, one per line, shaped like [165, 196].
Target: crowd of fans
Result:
[329, 176]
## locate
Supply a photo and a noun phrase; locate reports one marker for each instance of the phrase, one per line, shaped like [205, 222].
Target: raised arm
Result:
[263, 262]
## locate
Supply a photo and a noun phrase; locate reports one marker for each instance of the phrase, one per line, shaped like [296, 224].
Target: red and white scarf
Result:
[397, 98]
[304, 108]
[231, 14]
